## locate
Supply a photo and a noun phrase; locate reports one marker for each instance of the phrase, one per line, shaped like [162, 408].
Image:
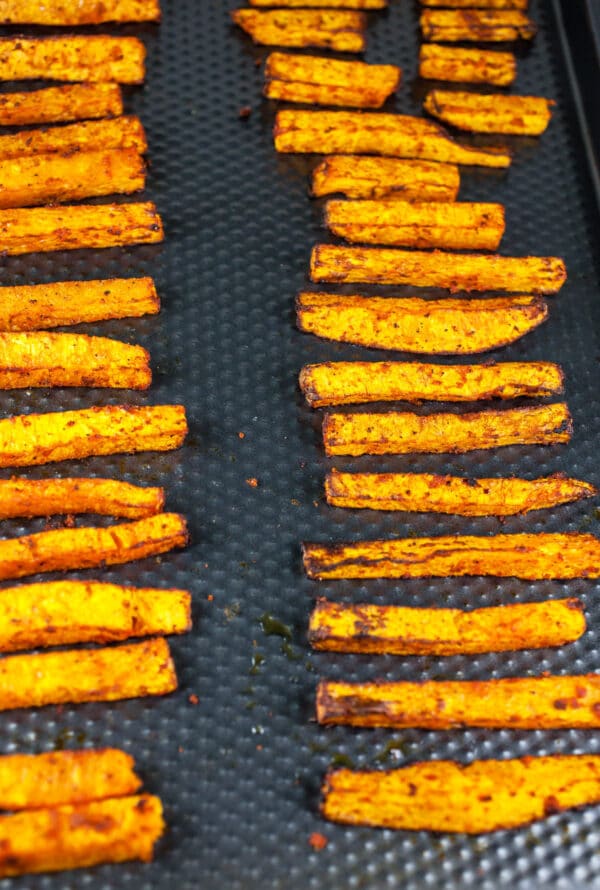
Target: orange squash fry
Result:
[42, 229]
[361, 176]
[460, 65]
[345, 383]
[429, 493]
[118, 132]
[441, 795]
[332, 29]
[396, 630]
[77, 12]
[469, 272]
[327, 4]
[25, 498]
[490, 112]
[395, 135]
[73, 102]
[458, 226]
[477, 4]
[323, 81]
[443, 327]
[93, 59]
[479, 25]
[33, 307]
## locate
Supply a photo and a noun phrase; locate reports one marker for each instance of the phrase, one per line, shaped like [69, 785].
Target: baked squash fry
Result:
[477, 4]
[345, 383]
[479, 25]
[455, 226]
[73, 102]
[532, 557]
[26, 498]
[77, 12]
[323, 81]
[396, 630]
[332, 29]
[93, 59]
[361, 176]
[428, 493]
[443, 327]
[119, 132]
[33, 307]
[396, 135]
[490, 112]
[441, 795]
[328, 4]
[468, 272]
[461, 65]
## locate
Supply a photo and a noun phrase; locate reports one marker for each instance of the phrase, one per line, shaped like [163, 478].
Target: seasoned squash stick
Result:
[460, 65]
[77, 12]
[477, 4]
[470, 272]
[106, 497]
[429, 493]
[396, 135]
[443, 327]
[343, 383]
[441, 795]
[323, 81]
[479, 25]
[460, 226]
[32, 307]
[73, 102]
[96, 58]
[358, 176]
[490, 113]
[328, 4]
[331, 29]
[396, 630]
[119, 132]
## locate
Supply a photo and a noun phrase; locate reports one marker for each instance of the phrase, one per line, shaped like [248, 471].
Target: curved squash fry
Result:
[460, 65]
[480, 25]
[106, 497]
[119, 132]
[73, 102]
[331, 29]
[490, 113]
[77, 12]
[361, 176]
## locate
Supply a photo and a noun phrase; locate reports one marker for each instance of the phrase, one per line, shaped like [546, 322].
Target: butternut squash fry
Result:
[361, 176]
[428, 493]
[73, 102]
[120, 132]
[469, 272]
[396, 135]
[490, 112]
[43, 229]
[396, 630]
[32, 307]
[331, 29]
[77, 12]
[344, 383]
[458, 226]
[93, 59]
[328, 4]
[443, 327]
[479, 25]
[25, 498]
[441, 795]
[477, 4]
[324, 81]
[461, 65]
[532, 557]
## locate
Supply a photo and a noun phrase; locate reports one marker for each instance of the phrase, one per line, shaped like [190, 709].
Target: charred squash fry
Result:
[441, 795]
[477, 4]
[331, 29]
[325, 81]
[443, 327]
[73, 58]
[344, 383]
[77, 12]
[120, 132]
[105, 497]
[397, 135]
[358, 176]
[480, 25]
[458, 226]
[42, 229]
[74, 102]
[467, 65]
[469, 272]
[32, 307]
[428, 493]
[328, 4]
[396, 630]
[490, 113]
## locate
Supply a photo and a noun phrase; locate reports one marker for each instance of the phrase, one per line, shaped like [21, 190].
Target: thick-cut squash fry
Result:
[344, 383]
[105, 497]
[490, 112]
[327, 4]
[359, 176]
[328, 28]
[480, 25]
[397, 135]
[341, 627]
[42, 229]
[32, 307]
[325, 81]
[120, 132]
[470, 272]
[441, 795]
[477, 4]
[428, 493]
[444, 327]
[467, 65]
[461, 226]
[74, 102]
[77, 12]
[97, 58]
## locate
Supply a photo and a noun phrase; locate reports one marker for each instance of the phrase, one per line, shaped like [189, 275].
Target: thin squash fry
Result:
[332, 29]
[469, 272]
[459, 226]
[345, 383]
[479, 25]
[73, 102]
[93, 59]
[461, 65]
[443, 327]
[323, 81]
[396, 135]
[119, 132]
[25, 498]
[396, 630]
[441, 795]
[33, 307]
[358, 176]
[429, 493]
[490, 112]
[77, 12]
[477, 4]
[43, 229]
[327, 4]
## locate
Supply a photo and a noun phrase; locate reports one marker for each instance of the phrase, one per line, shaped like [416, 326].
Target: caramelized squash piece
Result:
[358, 176]
[95, 58]
[479, 25]
[460, 65]
[327, 4]
[77, 12]
[490, 112]
[119, 132]
[73, 102]
[332, 29]
[477, 4]
[25, 498]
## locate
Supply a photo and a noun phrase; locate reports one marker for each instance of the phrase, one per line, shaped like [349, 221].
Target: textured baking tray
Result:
[239, 772]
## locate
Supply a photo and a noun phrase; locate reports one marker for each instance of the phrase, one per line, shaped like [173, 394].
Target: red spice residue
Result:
[245, 112]
[193, 699]
[318, 841]
[252, 482]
